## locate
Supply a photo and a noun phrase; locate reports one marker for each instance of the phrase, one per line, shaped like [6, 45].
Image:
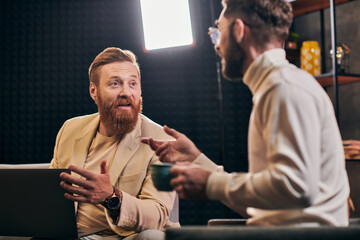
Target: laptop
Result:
[32, 204]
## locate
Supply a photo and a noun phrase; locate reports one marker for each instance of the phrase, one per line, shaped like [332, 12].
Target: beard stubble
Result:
[233, 59]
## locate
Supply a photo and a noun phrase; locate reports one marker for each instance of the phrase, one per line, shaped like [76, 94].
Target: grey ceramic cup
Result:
[160, 174]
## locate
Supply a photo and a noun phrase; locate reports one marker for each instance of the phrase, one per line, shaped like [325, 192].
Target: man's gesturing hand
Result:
[182, 149]
[91, 188]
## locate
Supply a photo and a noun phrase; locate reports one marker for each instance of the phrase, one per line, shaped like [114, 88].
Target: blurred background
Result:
[46, 48]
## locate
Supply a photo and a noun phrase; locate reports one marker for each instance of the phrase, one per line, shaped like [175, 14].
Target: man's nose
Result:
[217, 48]
[124, 91]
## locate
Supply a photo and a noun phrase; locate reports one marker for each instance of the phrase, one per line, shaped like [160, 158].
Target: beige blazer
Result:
[143, 207]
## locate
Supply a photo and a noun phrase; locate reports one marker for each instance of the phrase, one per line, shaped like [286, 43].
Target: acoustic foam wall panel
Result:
[46, 48]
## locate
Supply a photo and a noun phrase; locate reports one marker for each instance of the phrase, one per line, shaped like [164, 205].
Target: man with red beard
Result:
[110, 181]
[297, 170]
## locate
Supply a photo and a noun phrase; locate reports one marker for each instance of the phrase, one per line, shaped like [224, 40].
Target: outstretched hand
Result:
[91, 188]
[182, 149]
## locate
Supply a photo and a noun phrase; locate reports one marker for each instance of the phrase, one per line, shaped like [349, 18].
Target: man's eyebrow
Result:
[114, 77]
[134, 76]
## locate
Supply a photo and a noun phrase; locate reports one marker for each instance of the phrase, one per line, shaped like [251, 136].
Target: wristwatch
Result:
[113, 202]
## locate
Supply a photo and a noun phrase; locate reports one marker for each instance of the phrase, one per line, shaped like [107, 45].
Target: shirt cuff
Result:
[203, 161]
[217, 185]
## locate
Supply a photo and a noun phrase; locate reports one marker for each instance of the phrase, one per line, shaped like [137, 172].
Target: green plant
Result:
[293, 37]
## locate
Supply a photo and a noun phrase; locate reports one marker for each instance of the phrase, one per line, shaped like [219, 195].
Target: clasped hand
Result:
[92, 188]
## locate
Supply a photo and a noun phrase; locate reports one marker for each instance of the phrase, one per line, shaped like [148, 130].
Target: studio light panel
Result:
[166, 23]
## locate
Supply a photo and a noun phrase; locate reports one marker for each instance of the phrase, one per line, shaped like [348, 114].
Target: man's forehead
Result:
[120, 67]
[117, 69]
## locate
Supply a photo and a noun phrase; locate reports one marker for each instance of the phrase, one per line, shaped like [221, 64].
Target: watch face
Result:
[114, 203]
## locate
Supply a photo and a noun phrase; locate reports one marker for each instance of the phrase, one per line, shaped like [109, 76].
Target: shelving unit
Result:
[301, 7]
[333, 78]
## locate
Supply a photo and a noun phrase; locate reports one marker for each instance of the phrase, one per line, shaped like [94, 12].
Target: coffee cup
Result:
[160, 174]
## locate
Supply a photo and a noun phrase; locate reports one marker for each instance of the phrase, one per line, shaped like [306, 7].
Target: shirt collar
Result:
[261, 66]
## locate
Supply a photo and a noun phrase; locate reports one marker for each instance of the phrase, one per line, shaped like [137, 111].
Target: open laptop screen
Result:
[32, 203]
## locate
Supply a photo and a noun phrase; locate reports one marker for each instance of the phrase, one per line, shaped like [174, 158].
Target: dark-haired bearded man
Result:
[297, 170]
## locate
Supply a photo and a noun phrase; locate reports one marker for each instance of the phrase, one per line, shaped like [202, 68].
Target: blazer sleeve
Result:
[150, 210]
[55, 161]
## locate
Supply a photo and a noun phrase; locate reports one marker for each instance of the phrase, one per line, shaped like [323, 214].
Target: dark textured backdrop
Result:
[46, 48]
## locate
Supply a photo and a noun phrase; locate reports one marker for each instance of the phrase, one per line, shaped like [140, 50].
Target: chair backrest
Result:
[25, 166]
[174, 215]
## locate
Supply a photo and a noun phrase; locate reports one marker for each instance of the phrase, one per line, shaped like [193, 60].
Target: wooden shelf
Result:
[301, 7]
[327, 80]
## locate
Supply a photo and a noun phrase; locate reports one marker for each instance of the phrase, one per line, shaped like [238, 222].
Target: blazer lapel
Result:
[127, 147]
[81, 146]
[82, 143]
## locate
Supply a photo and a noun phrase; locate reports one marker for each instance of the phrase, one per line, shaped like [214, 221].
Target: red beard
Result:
[119, 121]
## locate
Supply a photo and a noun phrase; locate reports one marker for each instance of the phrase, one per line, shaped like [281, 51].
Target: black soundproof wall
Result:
[46, 48]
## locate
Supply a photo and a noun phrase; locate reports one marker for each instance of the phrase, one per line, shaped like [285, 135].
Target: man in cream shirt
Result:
[297, 170]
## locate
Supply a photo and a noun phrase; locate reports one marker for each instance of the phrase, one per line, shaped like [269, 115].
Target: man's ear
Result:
[93, 91]
[238, 30]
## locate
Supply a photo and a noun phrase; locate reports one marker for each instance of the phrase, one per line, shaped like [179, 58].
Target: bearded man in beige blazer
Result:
[110, 180]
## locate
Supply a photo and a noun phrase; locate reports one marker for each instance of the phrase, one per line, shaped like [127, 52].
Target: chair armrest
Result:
[226, 222]
[262, 233]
